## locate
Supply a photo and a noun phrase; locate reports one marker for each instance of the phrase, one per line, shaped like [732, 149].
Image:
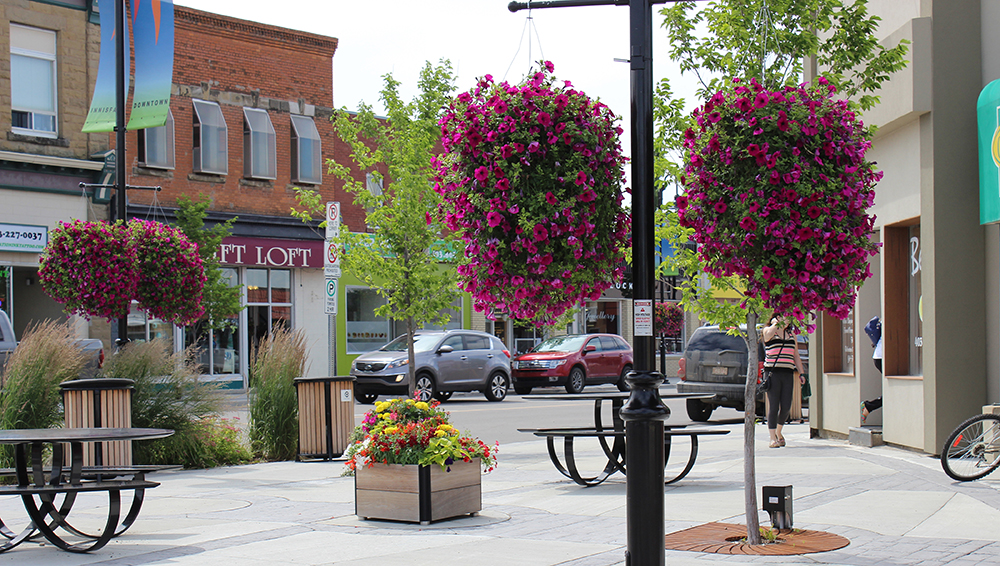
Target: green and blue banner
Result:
[988, 116]
[101, 117]
[153, 34]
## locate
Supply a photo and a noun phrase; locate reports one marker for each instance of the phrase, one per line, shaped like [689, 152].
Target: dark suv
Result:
[715, 362]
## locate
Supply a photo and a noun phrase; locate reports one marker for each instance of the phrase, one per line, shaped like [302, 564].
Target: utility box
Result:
[100, 403]
[778, 504]
[326, 416]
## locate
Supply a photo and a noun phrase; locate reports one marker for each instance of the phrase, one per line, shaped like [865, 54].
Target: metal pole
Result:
[120, 61]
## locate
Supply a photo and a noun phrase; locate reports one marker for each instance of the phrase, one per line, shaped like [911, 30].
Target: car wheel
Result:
[576, 380]
[366, 398]
[622, 385]
[522, 389]
[496, 387]
[698, 410]
[424, 389]
[443, 395]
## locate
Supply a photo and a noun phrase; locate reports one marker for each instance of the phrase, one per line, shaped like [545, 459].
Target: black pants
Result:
[779, 396]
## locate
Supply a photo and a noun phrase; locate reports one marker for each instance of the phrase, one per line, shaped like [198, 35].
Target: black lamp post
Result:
[120, 96]
[644, 412]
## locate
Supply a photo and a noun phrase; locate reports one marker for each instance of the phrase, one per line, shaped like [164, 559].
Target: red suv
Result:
[573, 361]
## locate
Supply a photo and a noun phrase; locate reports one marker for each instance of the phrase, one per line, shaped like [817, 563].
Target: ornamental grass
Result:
[274, 411]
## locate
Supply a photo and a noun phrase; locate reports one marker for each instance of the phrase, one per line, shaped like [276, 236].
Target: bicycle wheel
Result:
[973, 449]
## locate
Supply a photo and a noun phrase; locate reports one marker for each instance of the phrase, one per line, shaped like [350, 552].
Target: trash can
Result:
[326, 416]
[100, 403]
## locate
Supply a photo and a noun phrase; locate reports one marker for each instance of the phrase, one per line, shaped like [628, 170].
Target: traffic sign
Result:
[332, 220]
[331, 296]
[331, 254]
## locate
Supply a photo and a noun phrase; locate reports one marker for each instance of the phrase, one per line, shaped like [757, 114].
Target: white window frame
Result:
[46, 56]
[259, 138]
[304, 128]
[164, 135]
[209, 114]
[374, 184]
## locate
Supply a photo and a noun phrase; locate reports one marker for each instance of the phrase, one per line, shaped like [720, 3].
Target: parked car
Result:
[573, 361]
[715, 362]
[446, 362]
[93, 349]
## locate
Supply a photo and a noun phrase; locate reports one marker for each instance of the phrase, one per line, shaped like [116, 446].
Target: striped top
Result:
[779, 353]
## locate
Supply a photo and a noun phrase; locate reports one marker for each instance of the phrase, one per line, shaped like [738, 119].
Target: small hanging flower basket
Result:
[669, 318]
[171, 276]
[778, 191]
[532, 179]
[90, 269]
[96, 269]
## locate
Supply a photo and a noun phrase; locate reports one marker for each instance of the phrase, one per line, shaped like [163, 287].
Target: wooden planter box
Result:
[415, 493]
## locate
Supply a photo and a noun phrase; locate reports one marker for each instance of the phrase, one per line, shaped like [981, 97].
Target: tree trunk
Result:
[411, 364]
[749, 425]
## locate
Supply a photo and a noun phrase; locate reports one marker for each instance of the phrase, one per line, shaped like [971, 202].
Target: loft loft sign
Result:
[264, 252]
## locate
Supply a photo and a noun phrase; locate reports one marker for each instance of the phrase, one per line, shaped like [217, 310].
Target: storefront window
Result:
[143, 328]
[365, 331]
[525, 338]
[5, 289]
[269, 298]
[223, 357]
[902, 325]
[498, 328]
[916, 303]
[603, 316]
[838, 344]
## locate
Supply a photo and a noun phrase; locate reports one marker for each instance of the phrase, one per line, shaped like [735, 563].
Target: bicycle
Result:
[972, 450]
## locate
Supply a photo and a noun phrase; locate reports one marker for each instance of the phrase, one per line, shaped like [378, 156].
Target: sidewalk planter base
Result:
[418, 494]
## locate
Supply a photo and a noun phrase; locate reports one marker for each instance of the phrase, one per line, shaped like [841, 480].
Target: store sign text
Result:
[270, 253]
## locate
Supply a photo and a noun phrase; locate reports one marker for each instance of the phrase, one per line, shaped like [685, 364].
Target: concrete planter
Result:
[418, 494]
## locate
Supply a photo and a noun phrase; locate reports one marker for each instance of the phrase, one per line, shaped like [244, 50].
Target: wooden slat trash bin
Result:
[100, 403]
[326, 416]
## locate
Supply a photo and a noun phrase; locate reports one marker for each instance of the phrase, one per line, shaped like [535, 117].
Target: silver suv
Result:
[446, 362]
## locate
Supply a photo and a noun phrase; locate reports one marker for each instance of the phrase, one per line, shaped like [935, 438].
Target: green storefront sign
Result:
[988, 115]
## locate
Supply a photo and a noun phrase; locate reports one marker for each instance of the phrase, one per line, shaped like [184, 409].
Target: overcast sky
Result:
[478, 36]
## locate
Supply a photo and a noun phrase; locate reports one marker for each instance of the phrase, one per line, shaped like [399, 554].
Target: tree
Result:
[221, 301]
[769, 40]
[401, 256]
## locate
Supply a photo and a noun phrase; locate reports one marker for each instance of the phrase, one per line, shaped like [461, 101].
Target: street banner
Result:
[153, 32]
[102, 115]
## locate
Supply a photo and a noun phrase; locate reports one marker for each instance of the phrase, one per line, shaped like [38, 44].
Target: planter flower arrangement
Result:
[404, 431]
[531, 178]
[97, 269]
[668, 319]
[778, 191]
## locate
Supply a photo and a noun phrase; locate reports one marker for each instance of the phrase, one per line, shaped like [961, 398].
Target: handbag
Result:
[806, 389]
[765, 384]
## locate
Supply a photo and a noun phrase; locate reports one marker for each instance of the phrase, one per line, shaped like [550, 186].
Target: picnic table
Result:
[68, 478]
[615, 451]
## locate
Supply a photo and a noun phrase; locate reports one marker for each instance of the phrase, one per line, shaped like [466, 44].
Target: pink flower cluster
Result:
[778, 191]
[668, 319]
[531, 177]
[98, 269]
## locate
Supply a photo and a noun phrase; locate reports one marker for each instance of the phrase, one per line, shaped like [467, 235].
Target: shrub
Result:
[206, 443]
[168, 394]
[274, 423]
[30, 397]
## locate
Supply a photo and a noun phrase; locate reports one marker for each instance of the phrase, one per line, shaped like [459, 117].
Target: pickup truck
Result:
[92, 348]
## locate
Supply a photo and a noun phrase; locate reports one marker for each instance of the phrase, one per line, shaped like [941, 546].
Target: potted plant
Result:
[410, 464]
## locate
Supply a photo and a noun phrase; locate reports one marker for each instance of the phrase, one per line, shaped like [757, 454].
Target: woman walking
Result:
[781, 360]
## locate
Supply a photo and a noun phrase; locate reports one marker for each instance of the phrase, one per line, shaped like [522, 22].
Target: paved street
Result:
[896, 507]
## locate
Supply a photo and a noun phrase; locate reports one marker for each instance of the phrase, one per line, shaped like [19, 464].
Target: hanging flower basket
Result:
[669, 318]
[96, 269]
[171, 276]
[778, 191]
[90, 269]
[532, 179]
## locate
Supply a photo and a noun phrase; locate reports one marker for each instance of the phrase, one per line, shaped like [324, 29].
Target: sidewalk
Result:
[895, 506]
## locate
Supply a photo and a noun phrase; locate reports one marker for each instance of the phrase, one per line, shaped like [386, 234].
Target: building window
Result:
[374, 184]
[602, 317]
[902, 327]
[838, 344]
[269, 302]
[142, 327]
[217, 351]
[365, 331]
[156, 145]
[307, 151]
[259, 153]
[211, 144]
[33, 81]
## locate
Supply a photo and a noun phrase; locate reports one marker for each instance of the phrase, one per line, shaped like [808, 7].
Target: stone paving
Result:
[896, 507]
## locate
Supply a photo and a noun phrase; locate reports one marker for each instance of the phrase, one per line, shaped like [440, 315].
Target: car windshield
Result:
[421, 343]
[561, 344]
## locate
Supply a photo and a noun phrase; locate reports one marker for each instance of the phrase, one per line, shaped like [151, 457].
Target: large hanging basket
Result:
[778, 190]
[171, 276]
[532, 179]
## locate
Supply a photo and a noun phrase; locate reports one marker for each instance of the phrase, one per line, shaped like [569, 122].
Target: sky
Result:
[479, 37]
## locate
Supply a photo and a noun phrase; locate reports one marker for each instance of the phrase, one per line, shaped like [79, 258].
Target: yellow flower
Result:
[446, 427]
[440, 433]
[386, 416]
[422, 405]
[391, 429]
[380, 406]
[409, 401]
